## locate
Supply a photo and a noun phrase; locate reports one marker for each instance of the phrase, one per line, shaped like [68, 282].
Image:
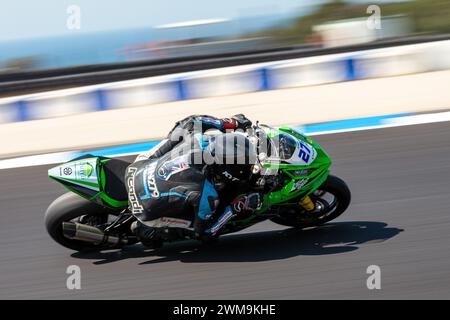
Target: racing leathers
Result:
[195, 124]
[168, 188]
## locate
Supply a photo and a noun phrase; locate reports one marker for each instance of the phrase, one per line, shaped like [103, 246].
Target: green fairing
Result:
[320, 171]
[110, 201]
[319, 174]
[92, 190]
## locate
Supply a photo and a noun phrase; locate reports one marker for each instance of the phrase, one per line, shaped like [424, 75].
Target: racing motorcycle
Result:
[95, 214]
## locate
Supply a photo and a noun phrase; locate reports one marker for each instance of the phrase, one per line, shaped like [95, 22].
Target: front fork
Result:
[307, 204]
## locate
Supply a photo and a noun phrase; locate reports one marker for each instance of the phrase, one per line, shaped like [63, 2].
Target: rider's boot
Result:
[147, 235]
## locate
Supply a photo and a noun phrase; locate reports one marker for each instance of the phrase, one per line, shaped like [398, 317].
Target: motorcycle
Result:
[96, 213]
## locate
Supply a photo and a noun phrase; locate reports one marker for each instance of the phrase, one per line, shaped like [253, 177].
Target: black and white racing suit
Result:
[168, 189]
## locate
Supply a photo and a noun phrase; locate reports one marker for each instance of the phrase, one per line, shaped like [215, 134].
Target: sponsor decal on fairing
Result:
[299, 184]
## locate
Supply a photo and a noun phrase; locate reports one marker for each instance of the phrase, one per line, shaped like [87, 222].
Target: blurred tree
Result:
[19, 64]
[428, 16]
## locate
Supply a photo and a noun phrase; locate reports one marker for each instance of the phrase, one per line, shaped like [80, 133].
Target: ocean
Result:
[81, 48]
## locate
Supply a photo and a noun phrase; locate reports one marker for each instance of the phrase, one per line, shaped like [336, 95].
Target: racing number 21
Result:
[305, 152]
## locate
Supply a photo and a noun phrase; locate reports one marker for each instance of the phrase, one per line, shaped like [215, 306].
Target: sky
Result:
[32, 18]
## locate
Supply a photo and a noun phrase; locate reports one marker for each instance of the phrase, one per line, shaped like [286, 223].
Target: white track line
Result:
[60, 157]
[394, 122]
[37, 160]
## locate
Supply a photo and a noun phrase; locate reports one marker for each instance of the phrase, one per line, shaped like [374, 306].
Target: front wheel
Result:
[332, 198]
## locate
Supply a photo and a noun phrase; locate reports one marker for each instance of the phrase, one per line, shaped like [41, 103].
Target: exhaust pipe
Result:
[78, 231]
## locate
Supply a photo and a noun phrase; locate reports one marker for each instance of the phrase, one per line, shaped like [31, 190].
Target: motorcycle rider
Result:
[174, 183]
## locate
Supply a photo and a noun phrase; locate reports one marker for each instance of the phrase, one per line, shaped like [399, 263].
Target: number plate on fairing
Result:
[305, 155]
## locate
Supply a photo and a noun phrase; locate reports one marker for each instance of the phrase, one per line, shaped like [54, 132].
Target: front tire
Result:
[294, 216]
[66, 208]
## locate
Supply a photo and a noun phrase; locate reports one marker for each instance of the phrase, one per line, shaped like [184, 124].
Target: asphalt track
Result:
[399, 220]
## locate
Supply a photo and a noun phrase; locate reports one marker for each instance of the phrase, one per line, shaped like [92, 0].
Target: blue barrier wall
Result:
[232, 80]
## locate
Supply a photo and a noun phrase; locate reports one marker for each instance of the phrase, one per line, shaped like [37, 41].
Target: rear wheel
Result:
[71, 207]
[332, 198]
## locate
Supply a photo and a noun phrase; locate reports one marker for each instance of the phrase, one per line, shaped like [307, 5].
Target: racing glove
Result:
[247, 203]
[239, 121]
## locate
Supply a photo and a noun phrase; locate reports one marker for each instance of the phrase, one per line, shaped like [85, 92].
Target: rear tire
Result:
[65, 208]
[332, 185]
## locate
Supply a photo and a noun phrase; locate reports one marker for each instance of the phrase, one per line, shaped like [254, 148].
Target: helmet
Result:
[233, 156]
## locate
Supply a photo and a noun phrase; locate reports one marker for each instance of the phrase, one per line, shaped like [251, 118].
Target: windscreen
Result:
[285, 144]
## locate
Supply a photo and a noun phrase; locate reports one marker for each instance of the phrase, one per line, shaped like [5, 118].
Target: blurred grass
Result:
[428, 16]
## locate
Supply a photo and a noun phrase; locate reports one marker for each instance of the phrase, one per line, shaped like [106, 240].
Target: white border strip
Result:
[60, 157]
